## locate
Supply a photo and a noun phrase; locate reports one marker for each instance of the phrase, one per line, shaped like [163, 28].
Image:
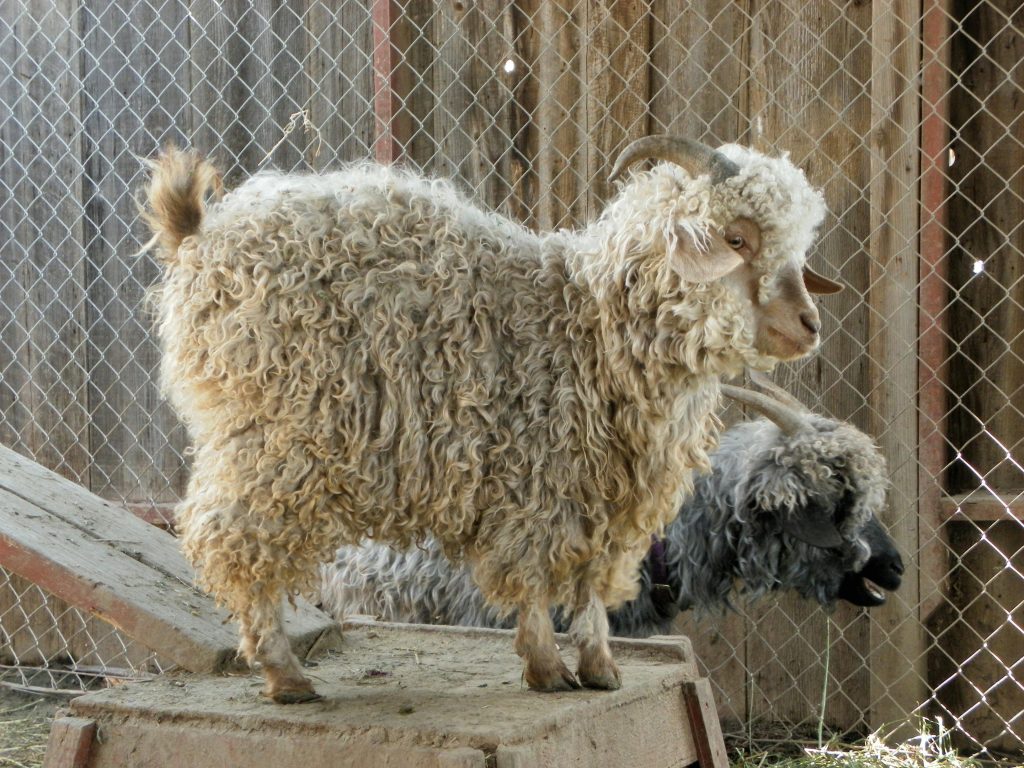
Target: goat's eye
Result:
[736, 242]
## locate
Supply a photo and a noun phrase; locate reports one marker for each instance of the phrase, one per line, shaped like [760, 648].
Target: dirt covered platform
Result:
[409, 696]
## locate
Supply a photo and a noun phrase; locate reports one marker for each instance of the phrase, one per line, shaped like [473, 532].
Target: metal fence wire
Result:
[906, 112]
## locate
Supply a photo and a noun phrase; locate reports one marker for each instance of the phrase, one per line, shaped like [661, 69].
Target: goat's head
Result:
[818, 486]
[746, 221]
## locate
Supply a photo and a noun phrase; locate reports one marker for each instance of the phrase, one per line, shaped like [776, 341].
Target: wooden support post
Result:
[387, 146]
[704, 724]
[897, 658]
[70, 743]
[933, 303]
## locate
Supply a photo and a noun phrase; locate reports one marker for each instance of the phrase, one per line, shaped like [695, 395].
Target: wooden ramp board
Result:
[416, 697]
[102, 559]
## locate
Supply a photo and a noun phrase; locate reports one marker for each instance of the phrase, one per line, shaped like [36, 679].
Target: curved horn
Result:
[695, 157]
[788, 420]
[765, 384]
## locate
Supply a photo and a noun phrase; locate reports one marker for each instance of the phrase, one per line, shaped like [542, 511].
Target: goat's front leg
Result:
[535, 643]
[264, 640]
[589, 633]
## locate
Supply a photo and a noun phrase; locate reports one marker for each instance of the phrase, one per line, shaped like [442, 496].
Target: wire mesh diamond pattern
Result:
[906, 113]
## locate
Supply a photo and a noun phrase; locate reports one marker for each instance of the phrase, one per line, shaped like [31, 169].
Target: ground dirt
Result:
[24, 727]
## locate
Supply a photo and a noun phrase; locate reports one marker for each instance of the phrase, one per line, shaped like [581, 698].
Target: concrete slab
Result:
[415, 697]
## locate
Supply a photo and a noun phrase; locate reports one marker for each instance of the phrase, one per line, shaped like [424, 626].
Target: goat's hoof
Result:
[299, 693]
[295, 697]
[602, 676]
[551, 679]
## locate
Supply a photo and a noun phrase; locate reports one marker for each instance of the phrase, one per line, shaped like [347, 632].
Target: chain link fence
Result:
[906, 113]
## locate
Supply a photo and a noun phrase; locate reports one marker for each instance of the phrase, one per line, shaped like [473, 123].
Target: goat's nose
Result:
[810, 320]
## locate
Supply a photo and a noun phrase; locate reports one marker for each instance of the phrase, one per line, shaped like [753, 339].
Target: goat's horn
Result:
[765, 384]
[788, 421]
[695, 157]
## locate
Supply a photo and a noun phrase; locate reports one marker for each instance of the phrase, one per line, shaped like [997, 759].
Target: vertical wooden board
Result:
[339, 67]
[616, 87]
[41, 212]
[988, 373]
[554, 100]
[802, 101]
[418, 62]
[129, 112]
[898, 642]
[719, 646]
[70, 743]
[699, 54]
[473, 119]
[248, 81]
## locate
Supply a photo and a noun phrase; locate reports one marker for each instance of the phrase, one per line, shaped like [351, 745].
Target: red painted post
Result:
[933, 298]
[385, 64]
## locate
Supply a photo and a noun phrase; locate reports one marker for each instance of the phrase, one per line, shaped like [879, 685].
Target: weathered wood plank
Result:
[616, 88]
[103, 559]
[247, 82]
[897, 653]
[704, 725]
[339, 66]
[473, 119]
[699, 58]
[70, 743]
[800, 103]
[42, 630]
[553, 96]
[41, 215]
[129, 112]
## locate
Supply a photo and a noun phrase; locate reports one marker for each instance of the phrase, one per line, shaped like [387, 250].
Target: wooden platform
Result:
[102, 559]
[409, 696]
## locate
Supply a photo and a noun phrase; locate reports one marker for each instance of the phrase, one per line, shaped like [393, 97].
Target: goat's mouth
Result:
[861, 591]
[788, 346]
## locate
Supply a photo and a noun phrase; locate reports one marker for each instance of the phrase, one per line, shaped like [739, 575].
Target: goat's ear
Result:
[813, 525]
[819, 283]
[702, 259]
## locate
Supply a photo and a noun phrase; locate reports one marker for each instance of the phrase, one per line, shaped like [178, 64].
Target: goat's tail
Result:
[180, 181]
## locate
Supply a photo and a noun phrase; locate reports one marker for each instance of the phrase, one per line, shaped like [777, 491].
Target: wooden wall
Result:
[526, 104]
[979, 632]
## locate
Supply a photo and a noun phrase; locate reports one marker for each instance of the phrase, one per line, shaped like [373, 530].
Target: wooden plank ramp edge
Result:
[70, 743]
[102, 559]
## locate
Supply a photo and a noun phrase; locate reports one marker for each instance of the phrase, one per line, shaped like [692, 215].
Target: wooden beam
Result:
[99, 558]
[983, 507]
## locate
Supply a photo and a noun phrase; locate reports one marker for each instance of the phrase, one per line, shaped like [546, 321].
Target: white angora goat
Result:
[792, 504]
[366, 354]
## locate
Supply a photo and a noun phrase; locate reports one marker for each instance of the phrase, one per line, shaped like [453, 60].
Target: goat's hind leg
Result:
[535, 643]
[589, 633]
[264, 640]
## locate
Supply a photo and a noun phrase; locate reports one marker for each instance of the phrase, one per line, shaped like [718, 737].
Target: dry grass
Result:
[24, 729]
[930, 749]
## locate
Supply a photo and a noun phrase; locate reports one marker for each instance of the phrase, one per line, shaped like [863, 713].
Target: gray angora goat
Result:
[792, 502]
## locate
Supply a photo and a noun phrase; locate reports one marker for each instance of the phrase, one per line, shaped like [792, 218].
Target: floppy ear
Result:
[813, 524]
[702, 260]
[819, 284]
